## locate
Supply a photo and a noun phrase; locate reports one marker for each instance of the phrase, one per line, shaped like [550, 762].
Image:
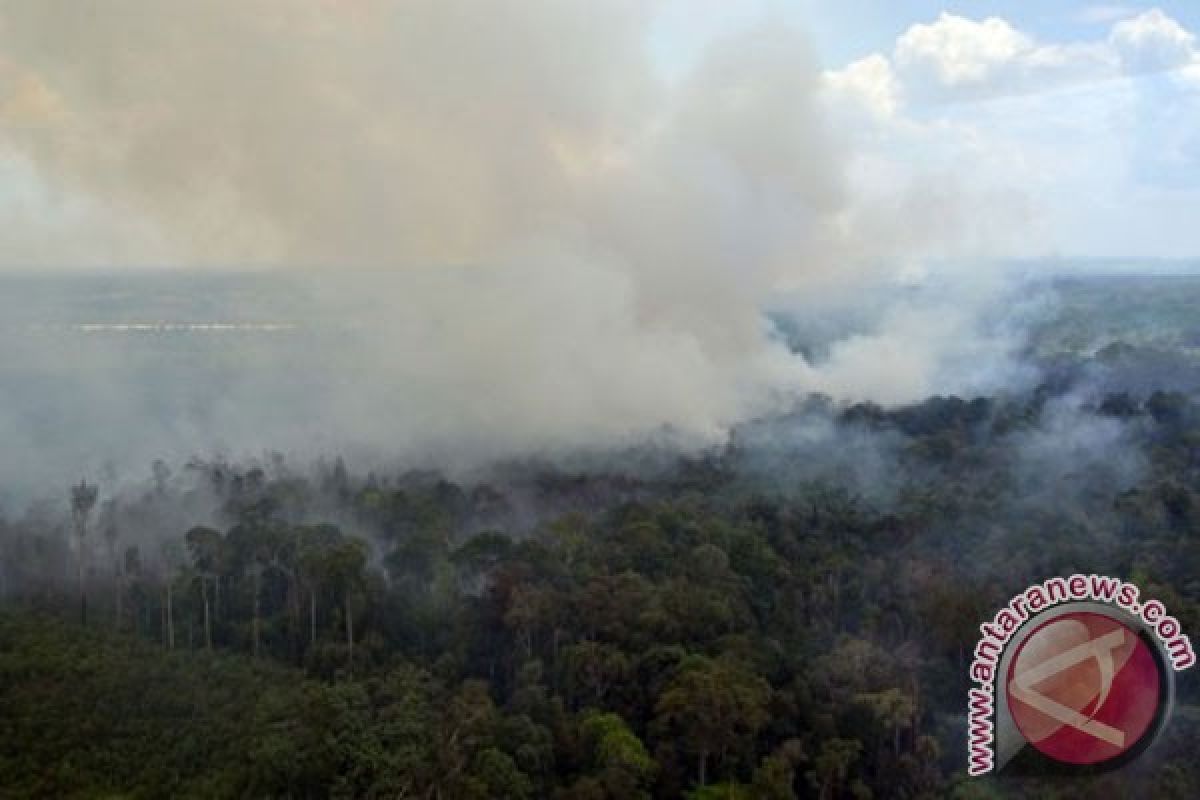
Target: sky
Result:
[547, 223]
[1067, 129]
[1087, 114]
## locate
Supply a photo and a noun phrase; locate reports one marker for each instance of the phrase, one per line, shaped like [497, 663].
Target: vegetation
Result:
[727, 626]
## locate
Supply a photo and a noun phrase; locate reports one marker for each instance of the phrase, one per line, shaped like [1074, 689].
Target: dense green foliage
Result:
[724, 626]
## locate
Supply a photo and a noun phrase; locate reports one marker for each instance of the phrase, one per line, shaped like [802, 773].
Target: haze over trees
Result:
[663, 391]
[733, 624]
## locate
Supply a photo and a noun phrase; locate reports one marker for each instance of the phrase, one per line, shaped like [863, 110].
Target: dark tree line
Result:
[694, 629]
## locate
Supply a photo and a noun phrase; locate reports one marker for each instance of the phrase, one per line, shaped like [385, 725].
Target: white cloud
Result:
[959, 58]
[960, 51]
[1070, 147]
[1190, 75]
[869, 83]
[1152, 41]
[955, 57]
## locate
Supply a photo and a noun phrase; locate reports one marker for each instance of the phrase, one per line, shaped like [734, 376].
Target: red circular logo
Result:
[1083, 688]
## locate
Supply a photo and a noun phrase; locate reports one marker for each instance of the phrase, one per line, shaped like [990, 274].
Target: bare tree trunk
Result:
[80, 564]
[296, 632]
[207, 620]
[170, 617]
[119, 591]
[83, 498]
[82, 591]
[312, 618]
[117, 577]
[916, 713]
[349, 634]
[257, 607]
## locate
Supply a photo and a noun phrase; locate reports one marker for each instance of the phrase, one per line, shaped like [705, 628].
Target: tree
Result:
[893, 710]
[591, 670]
[344, 563]
[83, 500]
[465, 728]
[207, 548]
[257, 546]
[131, 572]
[475, 559]
[617, 758]
[173, 559]
[712, 707]
[162, 474]
[497, 771]
[313, 543]
[775, 777]
[112, 537]
[832, 765]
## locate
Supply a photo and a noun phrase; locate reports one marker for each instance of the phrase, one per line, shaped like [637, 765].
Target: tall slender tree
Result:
[313, 542]
[173, 559]
[345, 563]
[207, 550]
[112, 540]
[83, 500]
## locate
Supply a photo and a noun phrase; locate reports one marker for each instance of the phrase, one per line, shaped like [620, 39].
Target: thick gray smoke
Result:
[534, 239]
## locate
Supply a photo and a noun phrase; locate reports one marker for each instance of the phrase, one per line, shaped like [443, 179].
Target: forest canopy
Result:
[733, 624]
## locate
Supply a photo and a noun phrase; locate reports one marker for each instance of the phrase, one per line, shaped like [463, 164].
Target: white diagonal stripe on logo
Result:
[1099, 648]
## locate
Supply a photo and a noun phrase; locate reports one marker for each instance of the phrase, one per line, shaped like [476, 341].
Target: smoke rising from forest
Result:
[509, 398]
[525, 236]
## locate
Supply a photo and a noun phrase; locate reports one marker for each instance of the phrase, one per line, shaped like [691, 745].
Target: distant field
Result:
[1093, 312]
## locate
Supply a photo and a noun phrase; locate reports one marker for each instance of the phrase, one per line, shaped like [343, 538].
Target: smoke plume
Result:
[528, 236]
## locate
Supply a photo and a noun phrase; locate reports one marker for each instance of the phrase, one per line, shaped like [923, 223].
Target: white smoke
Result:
[544, 242]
